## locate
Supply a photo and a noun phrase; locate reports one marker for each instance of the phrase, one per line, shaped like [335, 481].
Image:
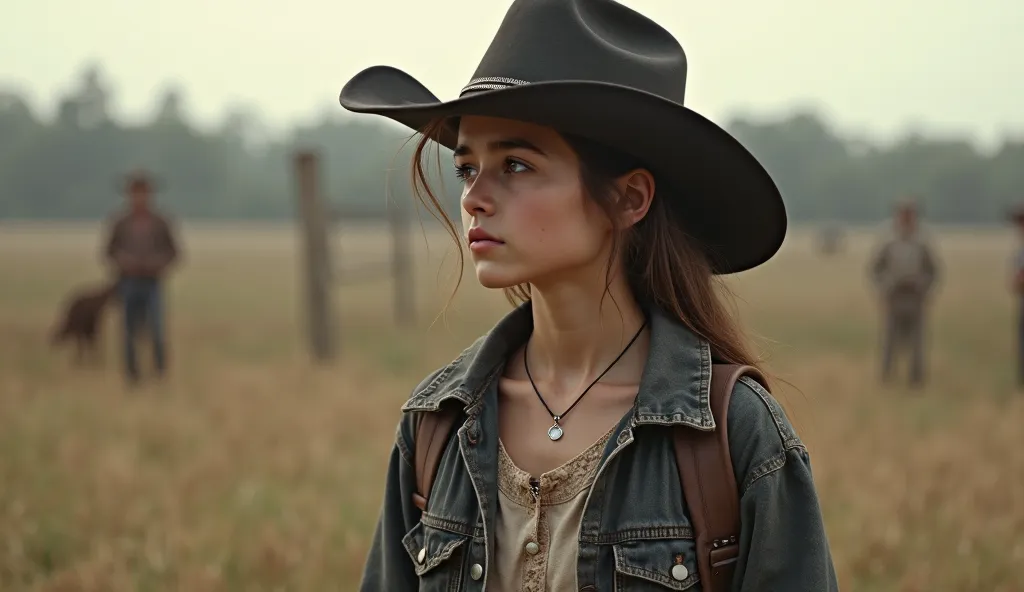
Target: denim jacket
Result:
[635, 523]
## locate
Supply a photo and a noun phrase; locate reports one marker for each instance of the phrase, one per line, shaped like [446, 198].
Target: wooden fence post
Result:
[401, 265]
[318, 266]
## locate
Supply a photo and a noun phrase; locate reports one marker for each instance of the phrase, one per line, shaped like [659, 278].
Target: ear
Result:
[636, 191]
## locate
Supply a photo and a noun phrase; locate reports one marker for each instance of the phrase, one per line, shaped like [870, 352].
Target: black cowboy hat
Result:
[597, 69]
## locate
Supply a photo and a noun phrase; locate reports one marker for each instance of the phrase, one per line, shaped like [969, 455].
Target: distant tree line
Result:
[68, 167]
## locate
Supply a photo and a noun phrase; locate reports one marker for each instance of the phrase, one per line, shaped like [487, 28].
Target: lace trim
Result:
[557, 486]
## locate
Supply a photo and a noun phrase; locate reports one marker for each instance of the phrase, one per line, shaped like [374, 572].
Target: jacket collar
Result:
[674, 389]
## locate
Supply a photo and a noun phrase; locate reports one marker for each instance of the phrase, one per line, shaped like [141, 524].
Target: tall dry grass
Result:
[252, 469]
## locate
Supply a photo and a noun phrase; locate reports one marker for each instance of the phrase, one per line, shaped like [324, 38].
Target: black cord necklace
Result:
[555, 432]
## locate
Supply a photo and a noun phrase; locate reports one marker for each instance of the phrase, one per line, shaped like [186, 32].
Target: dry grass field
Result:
[251, 469]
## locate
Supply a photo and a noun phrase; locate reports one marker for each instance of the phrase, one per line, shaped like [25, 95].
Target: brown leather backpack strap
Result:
[709, 484]
[432, 431]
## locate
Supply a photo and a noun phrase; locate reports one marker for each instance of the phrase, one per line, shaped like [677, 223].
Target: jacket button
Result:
[476, 572]
[532, 548]
[422, 556]
[680, 573]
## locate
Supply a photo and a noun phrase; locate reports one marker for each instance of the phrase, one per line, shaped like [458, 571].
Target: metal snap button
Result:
[422, 556]
[476, 572]
[532, 548]
[680, 573]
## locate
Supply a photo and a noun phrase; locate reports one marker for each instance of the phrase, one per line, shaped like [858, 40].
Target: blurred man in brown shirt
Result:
[904, 271]
[1017, 285]
[141, 247]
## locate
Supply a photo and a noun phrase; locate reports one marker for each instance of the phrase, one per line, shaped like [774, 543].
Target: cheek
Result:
[537, 220]
[555, 226]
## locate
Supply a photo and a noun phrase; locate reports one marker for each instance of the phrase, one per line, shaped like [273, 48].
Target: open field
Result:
[251, 469]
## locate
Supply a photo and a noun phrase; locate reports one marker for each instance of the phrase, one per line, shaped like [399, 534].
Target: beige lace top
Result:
[537, 528]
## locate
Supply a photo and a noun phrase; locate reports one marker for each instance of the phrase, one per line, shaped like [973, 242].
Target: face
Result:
[138, 197]
[524, 207]
[906, 219]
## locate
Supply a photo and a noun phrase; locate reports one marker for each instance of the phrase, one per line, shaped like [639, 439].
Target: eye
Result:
[464, 172]
[514, 166]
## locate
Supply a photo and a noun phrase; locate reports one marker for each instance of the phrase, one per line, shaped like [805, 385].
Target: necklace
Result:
[555, 432]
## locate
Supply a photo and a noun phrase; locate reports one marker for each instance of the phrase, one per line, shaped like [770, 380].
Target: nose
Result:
[478, 199]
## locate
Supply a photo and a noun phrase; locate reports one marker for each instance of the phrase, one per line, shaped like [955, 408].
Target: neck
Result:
[576, 335]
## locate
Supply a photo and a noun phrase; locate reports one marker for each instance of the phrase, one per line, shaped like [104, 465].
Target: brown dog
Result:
[81, 322]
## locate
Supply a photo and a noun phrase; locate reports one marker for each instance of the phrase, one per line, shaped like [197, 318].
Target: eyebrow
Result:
[503, 144]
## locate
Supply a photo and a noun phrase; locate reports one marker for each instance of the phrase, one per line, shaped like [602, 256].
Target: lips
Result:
[477, 234]
[481, 243]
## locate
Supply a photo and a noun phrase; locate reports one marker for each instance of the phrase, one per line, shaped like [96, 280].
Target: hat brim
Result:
[724, 197]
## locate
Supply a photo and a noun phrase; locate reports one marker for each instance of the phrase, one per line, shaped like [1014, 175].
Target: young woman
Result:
[606, 209]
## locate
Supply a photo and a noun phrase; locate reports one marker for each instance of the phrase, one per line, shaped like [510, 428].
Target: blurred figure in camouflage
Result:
[904, 270]
[141, 247]
[1017, 216]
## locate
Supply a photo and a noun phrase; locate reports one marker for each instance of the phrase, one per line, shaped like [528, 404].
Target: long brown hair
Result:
[663, 264]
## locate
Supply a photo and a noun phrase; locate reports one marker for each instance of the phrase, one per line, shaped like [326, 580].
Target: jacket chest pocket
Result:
[438, 557]
[656, 565]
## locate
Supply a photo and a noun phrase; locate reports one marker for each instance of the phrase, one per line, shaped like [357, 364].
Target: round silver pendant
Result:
[555, 432]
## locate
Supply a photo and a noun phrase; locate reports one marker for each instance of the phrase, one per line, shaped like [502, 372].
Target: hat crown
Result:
[582, 40]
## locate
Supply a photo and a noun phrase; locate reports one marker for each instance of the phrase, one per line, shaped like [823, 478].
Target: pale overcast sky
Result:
[947, 66]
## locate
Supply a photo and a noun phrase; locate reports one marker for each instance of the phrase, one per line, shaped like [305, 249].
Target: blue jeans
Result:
[142, 304]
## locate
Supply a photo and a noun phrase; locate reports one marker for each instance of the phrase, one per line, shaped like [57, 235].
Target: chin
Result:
[493, 277]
